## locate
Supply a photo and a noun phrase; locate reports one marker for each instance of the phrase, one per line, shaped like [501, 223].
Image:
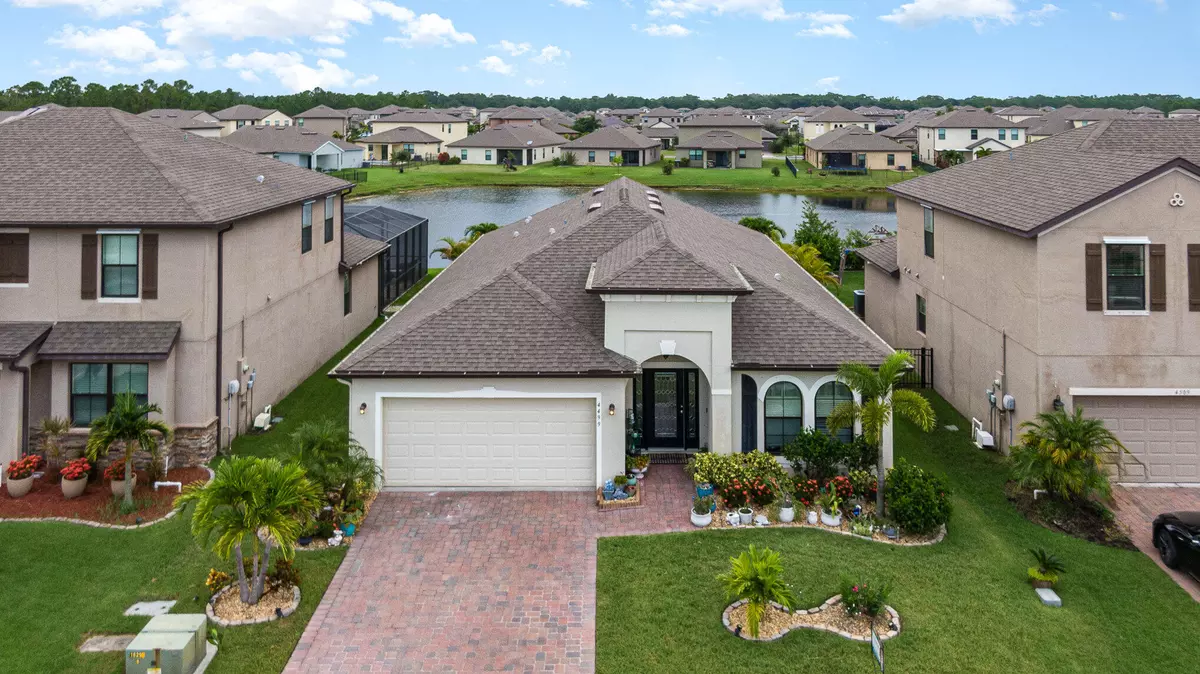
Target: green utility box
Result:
[195, 624]
[175, 652]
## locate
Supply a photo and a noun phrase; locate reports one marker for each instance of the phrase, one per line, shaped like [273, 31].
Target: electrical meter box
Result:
[162, 653]
[195, 624]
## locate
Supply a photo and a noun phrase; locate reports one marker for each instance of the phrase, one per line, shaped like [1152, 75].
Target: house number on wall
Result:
[1177, 200]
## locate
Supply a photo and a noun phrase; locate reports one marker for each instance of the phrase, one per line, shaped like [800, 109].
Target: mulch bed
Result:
[96, 503]
[830, 617]
[905, 538]
[1080, 519]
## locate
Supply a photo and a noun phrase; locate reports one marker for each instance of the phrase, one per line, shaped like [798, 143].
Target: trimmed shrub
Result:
[454, 161]
[817, 451]
[668, 168]
[775, 171]
[721, 470]
[918, 501]
[443, 157]
[569, 159]
[684, 162]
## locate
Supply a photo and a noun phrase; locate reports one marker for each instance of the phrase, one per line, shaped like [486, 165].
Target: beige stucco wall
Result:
[447, 132]
[876, 161]
[814, 129]
[881, 302]
[10, 416]
[364, 302]
[687, 133]
[478, 155]
[276, 119]
[214, 132]
[372, 151]
[326, 126]
[928, 144]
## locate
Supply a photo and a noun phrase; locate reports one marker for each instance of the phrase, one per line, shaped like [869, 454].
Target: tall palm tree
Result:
[1065, 453]
[257, 503]
[810, 260]
[475, 231]
[880, 401]
[452, 249]
[129, 423]
[763, 226]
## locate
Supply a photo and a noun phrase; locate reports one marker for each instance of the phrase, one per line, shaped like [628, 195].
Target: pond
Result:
[451, 210]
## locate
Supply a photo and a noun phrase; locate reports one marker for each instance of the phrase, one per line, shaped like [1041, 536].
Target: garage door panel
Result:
[522, 443]
[1161, 432]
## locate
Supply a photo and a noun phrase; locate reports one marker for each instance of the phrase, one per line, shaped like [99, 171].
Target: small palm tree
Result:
[452, 249]
[881, 399]
[475, 231]
[254, 503]
[1065, 453]
[129, 423]
[333, 460]
[810, 260]
[53, 429]
[983, 152]
[757, 576]
[763, 226]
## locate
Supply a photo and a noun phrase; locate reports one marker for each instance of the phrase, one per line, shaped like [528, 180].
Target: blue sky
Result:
[628, 47]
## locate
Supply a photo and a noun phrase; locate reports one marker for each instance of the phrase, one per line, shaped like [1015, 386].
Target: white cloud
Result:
[575, 3]
[513, 48]
[979, 12]
[495, 64]
[769, 10]
[291, 71]
[1116, 16]
[424, 30]
[824, 24]
[669, 30]
[534, 83]
[330, 53]
[192, 22]
[551, 54]
[127, 44]
[364, 81]
[329, 39]
[463, 69]
[1038, 16]
[98, 8]
[828, 83]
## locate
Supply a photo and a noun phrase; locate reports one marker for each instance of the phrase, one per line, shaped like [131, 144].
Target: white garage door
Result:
[524, 443]
[1162, 432]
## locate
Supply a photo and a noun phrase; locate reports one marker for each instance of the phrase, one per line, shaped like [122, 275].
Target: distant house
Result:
[628, 115]
[404, 261]
[238, 116]
[610, 120]
[514, 114]
[197, 122]
[855, 147]
[967, 131]
[661, 114]
[1017, 113]
[558, 127]
[324, 119]
[835, 118]
[524, 145]
[767, 137]
[439, 124]
[664, 133]
[381, 147]
[1184, 113]
[486, 113]
[721, 141]
[603, 146]
[905, 133]
[297, 146]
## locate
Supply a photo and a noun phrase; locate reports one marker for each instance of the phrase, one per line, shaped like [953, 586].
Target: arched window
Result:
[829, 396]
[783, 415]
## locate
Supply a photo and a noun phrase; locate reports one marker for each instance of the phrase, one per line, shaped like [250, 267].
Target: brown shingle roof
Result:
[357, 249]
[151, 174]
[720, 121]
[17, 338]
[150, 340]
[1060, 176]
[283, 139]
[718, 139]
[971, 119]
[612, 138]
[322, 112]
[400, 134]
[838, 114]
[854, 139]
[517, 301]
[181, 119]
[242, 112]
[511, 136]
[420, 117]
[517, 112]
[882, 254]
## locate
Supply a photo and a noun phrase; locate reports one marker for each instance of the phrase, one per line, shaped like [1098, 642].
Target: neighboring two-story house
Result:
[238, 116]
[514, 114]
[197, 122]
[720, 141]
[1065, 272]
[967, 132]
[835, 118]
[324, 119]
[660, 114]
[445, 127]
[172, 269]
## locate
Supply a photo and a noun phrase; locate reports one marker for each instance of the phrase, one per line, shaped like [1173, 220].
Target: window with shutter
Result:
[329, 219]
[1092, 269]
[149, 266]
[88, 261]
[14, 258]
[1158, 277]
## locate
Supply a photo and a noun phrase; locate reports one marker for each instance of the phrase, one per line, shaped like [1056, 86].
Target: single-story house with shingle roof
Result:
[852, 146]
[528, 145]
[298, 146]
[381, 147]
[521, 365]
[721, 141]
[603, 146]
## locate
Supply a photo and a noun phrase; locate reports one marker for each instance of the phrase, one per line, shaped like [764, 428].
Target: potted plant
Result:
[350, 522]
[306, 538]
[608, 490]
[831, 515]
[745, 514]
[702, 510]
[631, 481]
[642, 461]
[75, 477]
[620, 481]
[1047, 568]
[787, 509]
[116, 473]
[20, 474]
[813, 517]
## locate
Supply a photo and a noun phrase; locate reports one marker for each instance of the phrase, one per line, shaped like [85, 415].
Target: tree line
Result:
[181, 94]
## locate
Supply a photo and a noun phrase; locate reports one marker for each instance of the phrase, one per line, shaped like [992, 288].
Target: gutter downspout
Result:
[24, 370]
[219, 387]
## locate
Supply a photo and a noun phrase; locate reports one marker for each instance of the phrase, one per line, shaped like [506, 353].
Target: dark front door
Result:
[529, 155]
[670, 416]
[749, 413]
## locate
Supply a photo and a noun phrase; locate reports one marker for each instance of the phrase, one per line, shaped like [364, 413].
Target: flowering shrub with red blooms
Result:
[115, 471]
[863, 597]
[24, 467]
[807, 492]
[443, 157]
[76, 469]
[740, 493]
[841, 486]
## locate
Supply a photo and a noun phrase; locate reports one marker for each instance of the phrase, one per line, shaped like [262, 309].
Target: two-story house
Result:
[443, 126]
[238, 116]
[197, 122]
[660, 114]
[193, 274]
[721, 141]
[324, 119]
[835, 118]
[514, 114]
[967, 132]
[1066, 272]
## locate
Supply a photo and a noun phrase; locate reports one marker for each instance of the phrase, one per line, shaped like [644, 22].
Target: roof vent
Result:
[516, 234]
[528, 219]
[652, 193]
[552, 230]
[598, 190]
[259, 179]
[778, 276]
[595, 206]
[657, 207]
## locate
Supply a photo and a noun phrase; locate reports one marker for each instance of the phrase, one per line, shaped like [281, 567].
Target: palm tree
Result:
[452, 249]
[257, 503]
[983, 152]
[129, 423]
[810, 260]
[333, 459]
[53, 429]
[475, 231]
[880, 401]
[1065, 453]
[756, 576]
[763, 226]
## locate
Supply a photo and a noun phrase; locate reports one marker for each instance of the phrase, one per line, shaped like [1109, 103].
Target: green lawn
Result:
[383, 180]
[411, 292]
[965, 605]
[61, 581]
[851, 281]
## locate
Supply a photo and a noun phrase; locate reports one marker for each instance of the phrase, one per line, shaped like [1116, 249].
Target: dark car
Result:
[1177, 537]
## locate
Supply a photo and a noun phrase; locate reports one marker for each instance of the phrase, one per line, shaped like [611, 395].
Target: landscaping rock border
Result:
[941, 534]
[212, 615]
[832, 601]
[103, 525]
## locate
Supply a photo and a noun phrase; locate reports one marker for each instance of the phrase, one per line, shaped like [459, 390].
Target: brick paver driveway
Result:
[1138, 506]
[477, 581]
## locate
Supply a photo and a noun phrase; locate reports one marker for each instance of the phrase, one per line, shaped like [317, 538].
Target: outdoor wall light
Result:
[612, 409]
[362, 409]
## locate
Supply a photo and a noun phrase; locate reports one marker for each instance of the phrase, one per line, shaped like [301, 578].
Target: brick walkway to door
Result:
[477, 581]
[1136, 509]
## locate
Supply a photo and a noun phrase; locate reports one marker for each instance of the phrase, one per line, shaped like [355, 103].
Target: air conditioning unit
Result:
[980, 437]
[262, 422]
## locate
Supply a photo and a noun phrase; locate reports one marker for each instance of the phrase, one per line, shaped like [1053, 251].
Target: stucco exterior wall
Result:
[447, 132]
[876, 161]
[958, 139]
[326, 126]
[364, 299]
[10, 417]
[214, 132]
[276, 118]
[374, 151]
[478, 155]
[814, 129]
[881, 302]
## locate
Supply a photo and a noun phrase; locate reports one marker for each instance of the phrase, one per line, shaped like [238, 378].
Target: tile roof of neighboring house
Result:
[380, 223]
[1018, 110]
[719, 139]
[517, 301]
[400, 134]
[242, 112]
[151, 174]
[882, 254]
[838, 114]
[284, 139]
[972, 119]
[517, 112]
[419, 117]
[660, 132]
[1146, 110]
[612, 138]
[768, 135]
[17, 338]
[661, 112]
[984, 141]
[1060, 176]
[389, 109]
[323, 112]
[905, 129]
[719, 121]
[511, 136]
[854, 139]
[357, 249]
[557, 127]
[181, 119]
[151, 340]
[1185, 111]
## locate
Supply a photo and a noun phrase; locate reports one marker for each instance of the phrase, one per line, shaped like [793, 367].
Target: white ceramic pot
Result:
[812, 517]
[834, 520]
[745, 515]
[701, 520]
[19, 488]
[787, 514]
[74, 488]
[733, 519]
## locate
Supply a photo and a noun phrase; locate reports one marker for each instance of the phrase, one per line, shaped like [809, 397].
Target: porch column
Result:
[722, 414]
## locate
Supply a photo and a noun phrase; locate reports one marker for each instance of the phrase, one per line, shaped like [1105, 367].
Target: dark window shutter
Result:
[14, 258]
[1193, 272]
[1093, 268]
[1158, 277]
[87, 267]
[149, 266]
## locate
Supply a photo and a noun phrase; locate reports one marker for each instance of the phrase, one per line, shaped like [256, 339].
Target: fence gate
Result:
[921, 376]
[791, 167]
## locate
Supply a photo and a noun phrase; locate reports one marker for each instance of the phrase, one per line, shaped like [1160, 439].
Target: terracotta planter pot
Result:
[74, 488]
[19, 488]
[118, 486]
